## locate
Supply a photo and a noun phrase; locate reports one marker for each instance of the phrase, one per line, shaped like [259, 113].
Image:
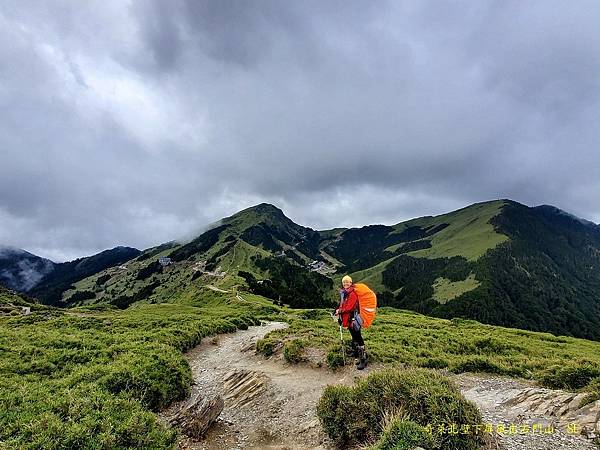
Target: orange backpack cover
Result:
[367, 301]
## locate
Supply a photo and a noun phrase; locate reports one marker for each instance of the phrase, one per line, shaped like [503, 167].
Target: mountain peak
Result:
[265, 208]
[263, 212]
[7, 251]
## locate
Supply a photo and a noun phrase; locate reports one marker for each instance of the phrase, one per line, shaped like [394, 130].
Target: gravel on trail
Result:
[270, 404]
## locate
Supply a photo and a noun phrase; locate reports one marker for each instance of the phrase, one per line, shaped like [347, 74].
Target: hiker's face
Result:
[346, 284]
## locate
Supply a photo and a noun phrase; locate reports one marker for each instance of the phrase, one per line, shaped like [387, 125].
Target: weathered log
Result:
[195, 419]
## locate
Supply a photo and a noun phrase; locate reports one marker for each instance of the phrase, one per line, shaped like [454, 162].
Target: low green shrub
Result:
[435, 363]
[293, 351]
[265, 346]
[569, 376]
[94, 381]
[83, 417]
[335, 359]
[355, 415]
[400, 434]
[479, 364]
[156, 376]
[240, 322]
[494, 347]
[313, 314]
[593, 389]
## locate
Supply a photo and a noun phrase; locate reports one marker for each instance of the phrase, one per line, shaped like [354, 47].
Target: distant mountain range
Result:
[498, 262]
[47, 280]
[21, 270]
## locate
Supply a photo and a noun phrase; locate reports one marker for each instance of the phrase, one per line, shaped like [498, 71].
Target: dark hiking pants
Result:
[356, 336]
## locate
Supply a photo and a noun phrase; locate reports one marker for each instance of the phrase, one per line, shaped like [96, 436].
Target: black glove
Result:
[340, 320]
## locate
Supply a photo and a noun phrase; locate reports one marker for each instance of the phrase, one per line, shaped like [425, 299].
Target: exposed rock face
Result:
[242, 386]
[562, 423]
[563, 406]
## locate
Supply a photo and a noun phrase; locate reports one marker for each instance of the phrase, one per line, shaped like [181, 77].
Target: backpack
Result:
[367, 303]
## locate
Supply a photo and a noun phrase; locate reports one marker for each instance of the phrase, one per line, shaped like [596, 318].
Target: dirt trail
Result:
[271, 405]
[216, 289]
[268, 403]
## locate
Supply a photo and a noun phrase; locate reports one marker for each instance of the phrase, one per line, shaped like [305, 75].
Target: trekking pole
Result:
[342, 343]
[341, 340]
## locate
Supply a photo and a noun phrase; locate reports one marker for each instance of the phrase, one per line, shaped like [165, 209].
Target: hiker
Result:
[349, 317]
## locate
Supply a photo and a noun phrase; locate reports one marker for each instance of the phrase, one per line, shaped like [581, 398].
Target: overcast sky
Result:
[137, 122]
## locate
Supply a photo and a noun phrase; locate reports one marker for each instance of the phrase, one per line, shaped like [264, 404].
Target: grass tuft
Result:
[356, 415]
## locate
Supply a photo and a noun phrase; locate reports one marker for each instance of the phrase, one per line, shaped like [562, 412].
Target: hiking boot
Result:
[362, 358]
[357, 356]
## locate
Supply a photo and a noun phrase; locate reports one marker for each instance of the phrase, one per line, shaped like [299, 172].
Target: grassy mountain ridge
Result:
[542, 278]
[246, 242]
[499, 262]
[465, 233]
[51, 287]
[47, 280]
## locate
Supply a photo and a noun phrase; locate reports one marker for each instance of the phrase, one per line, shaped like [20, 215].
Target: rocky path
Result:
[542, 419]
[269, 404]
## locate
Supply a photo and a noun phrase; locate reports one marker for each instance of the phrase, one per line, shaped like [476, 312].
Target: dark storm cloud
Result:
[135, 123]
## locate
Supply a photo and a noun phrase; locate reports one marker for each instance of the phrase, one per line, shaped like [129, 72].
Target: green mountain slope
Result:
[467, 233]
[543, 278]
[255, 245]
[50, 288]
[16, 304]
[9, 297]
[499, 262]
